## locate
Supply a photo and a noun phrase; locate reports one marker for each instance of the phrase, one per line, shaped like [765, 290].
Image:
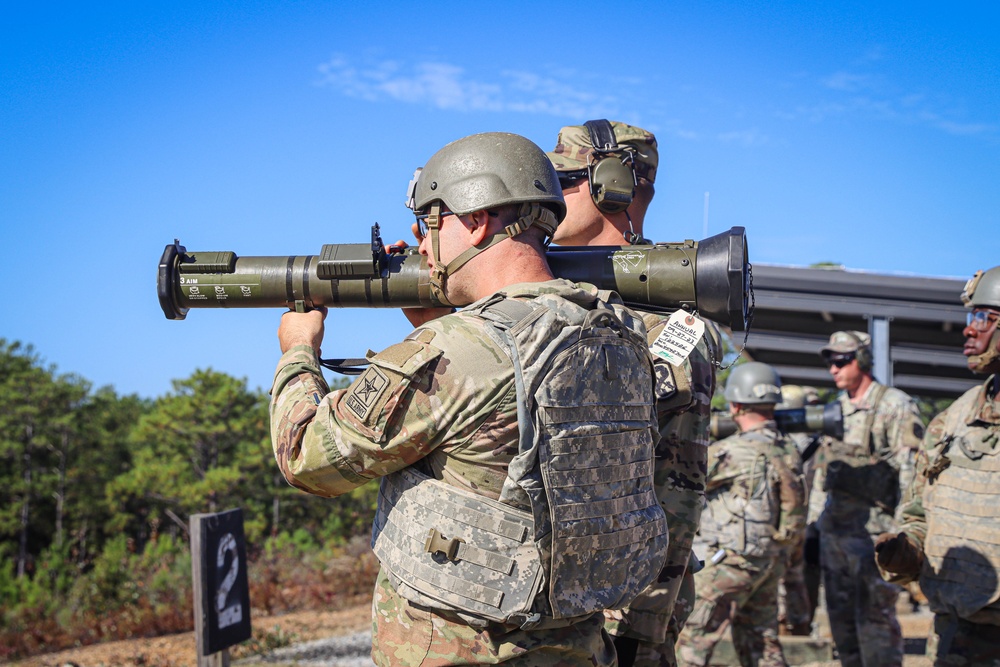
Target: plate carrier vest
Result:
[748, 522]
[578, 528]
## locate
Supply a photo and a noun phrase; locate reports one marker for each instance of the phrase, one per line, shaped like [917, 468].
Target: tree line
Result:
[96, 489]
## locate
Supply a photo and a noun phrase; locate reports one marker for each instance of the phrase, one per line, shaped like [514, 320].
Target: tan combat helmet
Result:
[983, 291]
[482, 172]
[753, 383]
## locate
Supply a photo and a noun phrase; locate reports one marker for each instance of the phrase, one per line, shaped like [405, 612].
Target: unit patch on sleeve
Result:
[666, 385]
[366, 391]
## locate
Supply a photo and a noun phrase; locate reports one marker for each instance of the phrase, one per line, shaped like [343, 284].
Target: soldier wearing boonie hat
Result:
[863, 475]
[607, 170]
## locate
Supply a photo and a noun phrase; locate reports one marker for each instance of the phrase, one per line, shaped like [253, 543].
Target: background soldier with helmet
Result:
[499, 463]
[882, 429]
[755, 512]
[950, 539]
[607, 170]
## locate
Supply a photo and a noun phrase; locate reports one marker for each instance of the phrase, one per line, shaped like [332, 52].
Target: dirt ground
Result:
[179, 650]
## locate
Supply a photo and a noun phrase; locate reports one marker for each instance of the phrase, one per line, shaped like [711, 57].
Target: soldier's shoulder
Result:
[748, 440]
[957, 412]
[897, 398]
[462, 338]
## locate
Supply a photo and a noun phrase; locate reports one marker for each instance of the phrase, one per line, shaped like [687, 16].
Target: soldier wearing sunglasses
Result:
[950, 541]
[861, 476]
[607, 171]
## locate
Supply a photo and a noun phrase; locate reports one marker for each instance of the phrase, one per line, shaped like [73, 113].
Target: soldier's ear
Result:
[477, 223]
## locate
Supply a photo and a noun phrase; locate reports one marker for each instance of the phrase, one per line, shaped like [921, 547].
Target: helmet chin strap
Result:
[528, 214]
[980, 363]
[439, 274]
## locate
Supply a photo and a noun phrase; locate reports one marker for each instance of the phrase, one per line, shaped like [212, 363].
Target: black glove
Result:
[898, 554]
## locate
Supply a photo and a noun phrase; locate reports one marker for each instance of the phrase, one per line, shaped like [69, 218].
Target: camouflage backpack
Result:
[577, 528]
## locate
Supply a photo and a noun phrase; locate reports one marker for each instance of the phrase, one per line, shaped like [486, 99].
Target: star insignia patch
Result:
[366, 391]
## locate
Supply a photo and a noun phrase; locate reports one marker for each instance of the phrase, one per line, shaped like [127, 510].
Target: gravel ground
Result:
[352, 650]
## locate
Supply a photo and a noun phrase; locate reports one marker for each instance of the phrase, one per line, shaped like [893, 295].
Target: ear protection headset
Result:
[863, 353]
[611, 169]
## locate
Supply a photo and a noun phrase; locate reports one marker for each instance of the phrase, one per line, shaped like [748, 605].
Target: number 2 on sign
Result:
[232, 614]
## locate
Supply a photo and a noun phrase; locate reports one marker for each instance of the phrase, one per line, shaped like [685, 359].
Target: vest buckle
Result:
[436, 543]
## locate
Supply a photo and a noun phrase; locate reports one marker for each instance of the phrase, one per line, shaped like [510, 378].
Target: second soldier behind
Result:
[607, 170]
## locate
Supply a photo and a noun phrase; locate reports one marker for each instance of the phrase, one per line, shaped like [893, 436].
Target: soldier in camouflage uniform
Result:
[645, 632]
[516, 498]
[950, 539]
[755, 513]
[882, 430]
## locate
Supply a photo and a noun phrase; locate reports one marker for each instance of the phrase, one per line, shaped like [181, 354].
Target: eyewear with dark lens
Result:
[569, 178]
[840, 360]
[981, 320]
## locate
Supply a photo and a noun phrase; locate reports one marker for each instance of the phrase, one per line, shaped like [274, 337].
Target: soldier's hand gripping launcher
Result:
[711, 277]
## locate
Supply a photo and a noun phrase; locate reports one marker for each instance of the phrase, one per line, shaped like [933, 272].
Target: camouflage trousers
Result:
[795, 605]
[634, 652]
[958, 643]
[406, 635]
[860, 604]
[741, 591]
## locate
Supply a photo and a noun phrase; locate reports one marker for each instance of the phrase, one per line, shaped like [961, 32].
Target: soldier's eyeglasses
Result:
[422, 228]
[840, 360]
[981, 320]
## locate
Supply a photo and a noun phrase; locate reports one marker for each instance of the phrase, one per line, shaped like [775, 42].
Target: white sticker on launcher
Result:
[679, 338]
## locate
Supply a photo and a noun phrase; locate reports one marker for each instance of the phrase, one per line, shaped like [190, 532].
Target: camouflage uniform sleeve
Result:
[904, 429]
[414, 398]
[330, 443]
[912, 514]
[297, 391]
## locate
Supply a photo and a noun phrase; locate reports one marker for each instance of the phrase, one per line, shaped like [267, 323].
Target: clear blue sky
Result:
[861, 133]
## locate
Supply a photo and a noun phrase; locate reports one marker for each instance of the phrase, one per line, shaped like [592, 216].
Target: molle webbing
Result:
[595, 534]
[747, 523]
[587, 440]
[963, 527]
[457, 549]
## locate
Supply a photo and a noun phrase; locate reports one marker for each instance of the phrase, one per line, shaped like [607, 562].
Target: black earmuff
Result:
[611, 169]
[863, 353]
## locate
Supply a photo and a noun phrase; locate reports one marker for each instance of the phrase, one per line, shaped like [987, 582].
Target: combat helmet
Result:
[753, 383]
[983, 289]
[483, 172]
